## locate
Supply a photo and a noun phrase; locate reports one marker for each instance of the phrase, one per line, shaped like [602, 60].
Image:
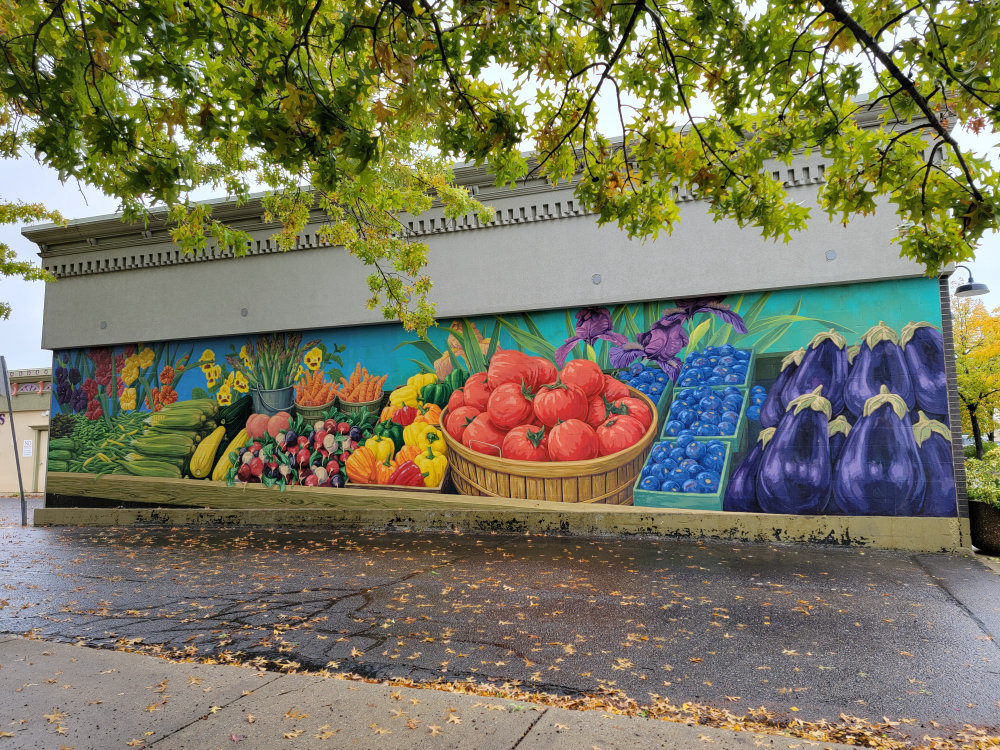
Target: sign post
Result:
[5, 391]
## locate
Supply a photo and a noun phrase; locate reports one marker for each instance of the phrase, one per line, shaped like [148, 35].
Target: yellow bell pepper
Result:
[423, 436]
[405, 395]
[382, 447]
[422, 379]
[433, 465]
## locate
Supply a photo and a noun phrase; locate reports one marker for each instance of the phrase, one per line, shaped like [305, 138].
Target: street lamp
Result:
[970, 288]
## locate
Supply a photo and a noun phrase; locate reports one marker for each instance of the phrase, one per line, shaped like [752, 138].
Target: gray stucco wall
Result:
[120, 284]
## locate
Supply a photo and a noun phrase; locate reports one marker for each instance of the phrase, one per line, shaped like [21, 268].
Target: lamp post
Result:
[970, 288]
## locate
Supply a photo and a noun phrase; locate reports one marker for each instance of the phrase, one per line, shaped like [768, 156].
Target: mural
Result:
[817, 401]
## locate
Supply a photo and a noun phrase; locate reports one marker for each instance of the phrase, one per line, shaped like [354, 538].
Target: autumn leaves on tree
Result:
[358, 109]
[977, 363]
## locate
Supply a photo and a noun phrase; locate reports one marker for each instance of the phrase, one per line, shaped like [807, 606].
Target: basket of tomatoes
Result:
[524, 429]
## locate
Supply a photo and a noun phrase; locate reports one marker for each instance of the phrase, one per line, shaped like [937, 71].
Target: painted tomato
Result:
[597, 411]
[573, 440]
[510, 405]
[618, 433]
[477, 391]
[510, 366]
[459, 419]
[456, 399]
[526, 442]
[559, 402]
[614, 388]
[585, 374]
[483, 436]
[544, 371]
[634, 408]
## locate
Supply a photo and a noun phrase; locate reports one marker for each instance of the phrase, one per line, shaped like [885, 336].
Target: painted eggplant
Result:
[824, 363]
[934, 446]
[923, 349]
[852, 353]
[879, 472]
[773, 408]
[741, 492]
[879, 362]
[795, 474]
[839, 429]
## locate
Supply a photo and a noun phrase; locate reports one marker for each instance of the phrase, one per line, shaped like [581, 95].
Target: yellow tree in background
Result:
[977, 363]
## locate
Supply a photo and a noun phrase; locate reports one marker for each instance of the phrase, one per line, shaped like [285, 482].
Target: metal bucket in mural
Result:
[794, 401]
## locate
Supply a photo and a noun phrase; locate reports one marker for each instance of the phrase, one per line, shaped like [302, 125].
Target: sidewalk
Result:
[62, 696]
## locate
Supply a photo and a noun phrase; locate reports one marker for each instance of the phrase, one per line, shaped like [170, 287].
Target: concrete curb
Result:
[884, 532]
[92, 698]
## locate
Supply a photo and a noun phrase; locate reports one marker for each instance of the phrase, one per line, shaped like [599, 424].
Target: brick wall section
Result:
[954, 415]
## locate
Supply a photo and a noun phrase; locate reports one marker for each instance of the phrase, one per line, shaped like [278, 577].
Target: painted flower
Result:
[74, 376]
[145, 358]
[660, 344]
[299, 373]
[127, 399]
[314, 358]
[64, 392]
[207, 356]
[130, 371]
[687, 308]
[167, 395]
[245, 356]
[79, 401]
[94, 410]
[167, 375]
[240, 382]
[89, 386]
[592, 323]
[224, 396]
[61, 374]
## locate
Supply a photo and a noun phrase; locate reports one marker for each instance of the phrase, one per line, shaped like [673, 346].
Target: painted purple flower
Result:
[79, 400]
[687, 308]
[64, 392]
[60, 374]
[74, 376]
[660, 344]
[592, 323]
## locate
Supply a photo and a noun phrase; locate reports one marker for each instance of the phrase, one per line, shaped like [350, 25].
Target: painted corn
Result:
[879, 472]
[795, 474]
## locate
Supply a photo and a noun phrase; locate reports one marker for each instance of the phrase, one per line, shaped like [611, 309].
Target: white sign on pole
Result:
[26, 452]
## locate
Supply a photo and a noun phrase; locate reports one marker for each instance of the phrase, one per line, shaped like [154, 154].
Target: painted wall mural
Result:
[812, 401]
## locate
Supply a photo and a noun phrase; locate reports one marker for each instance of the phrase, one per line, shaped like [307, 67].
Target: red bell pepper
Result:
[407, 474]
[405, 415]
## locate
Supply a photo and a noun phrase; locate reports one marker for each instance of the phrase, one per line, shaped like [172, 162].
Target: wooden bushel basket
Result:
[607, 479]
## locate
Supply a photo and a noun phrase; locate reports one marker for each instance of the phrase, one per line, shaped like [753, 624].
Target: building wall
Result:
[541, 252]
[31, 403]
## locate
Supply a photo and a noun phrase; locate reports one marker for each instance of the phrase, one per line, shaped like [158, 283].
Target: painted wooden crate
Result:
[684, 500]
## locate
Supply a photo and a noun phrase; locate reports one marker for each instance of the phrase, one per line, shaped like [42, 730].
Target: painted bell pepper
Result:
[390, 429]
[420, 380]
[382, 446]
[405, 415]
[382, 472]
[429, 413]
[407, 474]
[436, 393]
[433, 465]
[456, 378]
[405, 395]
[424, 436]
[361, 465]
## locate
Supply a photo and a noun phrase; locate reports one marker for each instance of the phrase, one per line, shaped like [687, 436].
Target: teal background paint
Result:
[388, 348]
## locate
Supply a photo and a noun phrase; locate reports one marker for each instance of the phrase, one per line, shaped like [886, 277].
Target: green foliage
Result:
[983, 478]
[977, 365]
[13, 213]
[357, 109]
